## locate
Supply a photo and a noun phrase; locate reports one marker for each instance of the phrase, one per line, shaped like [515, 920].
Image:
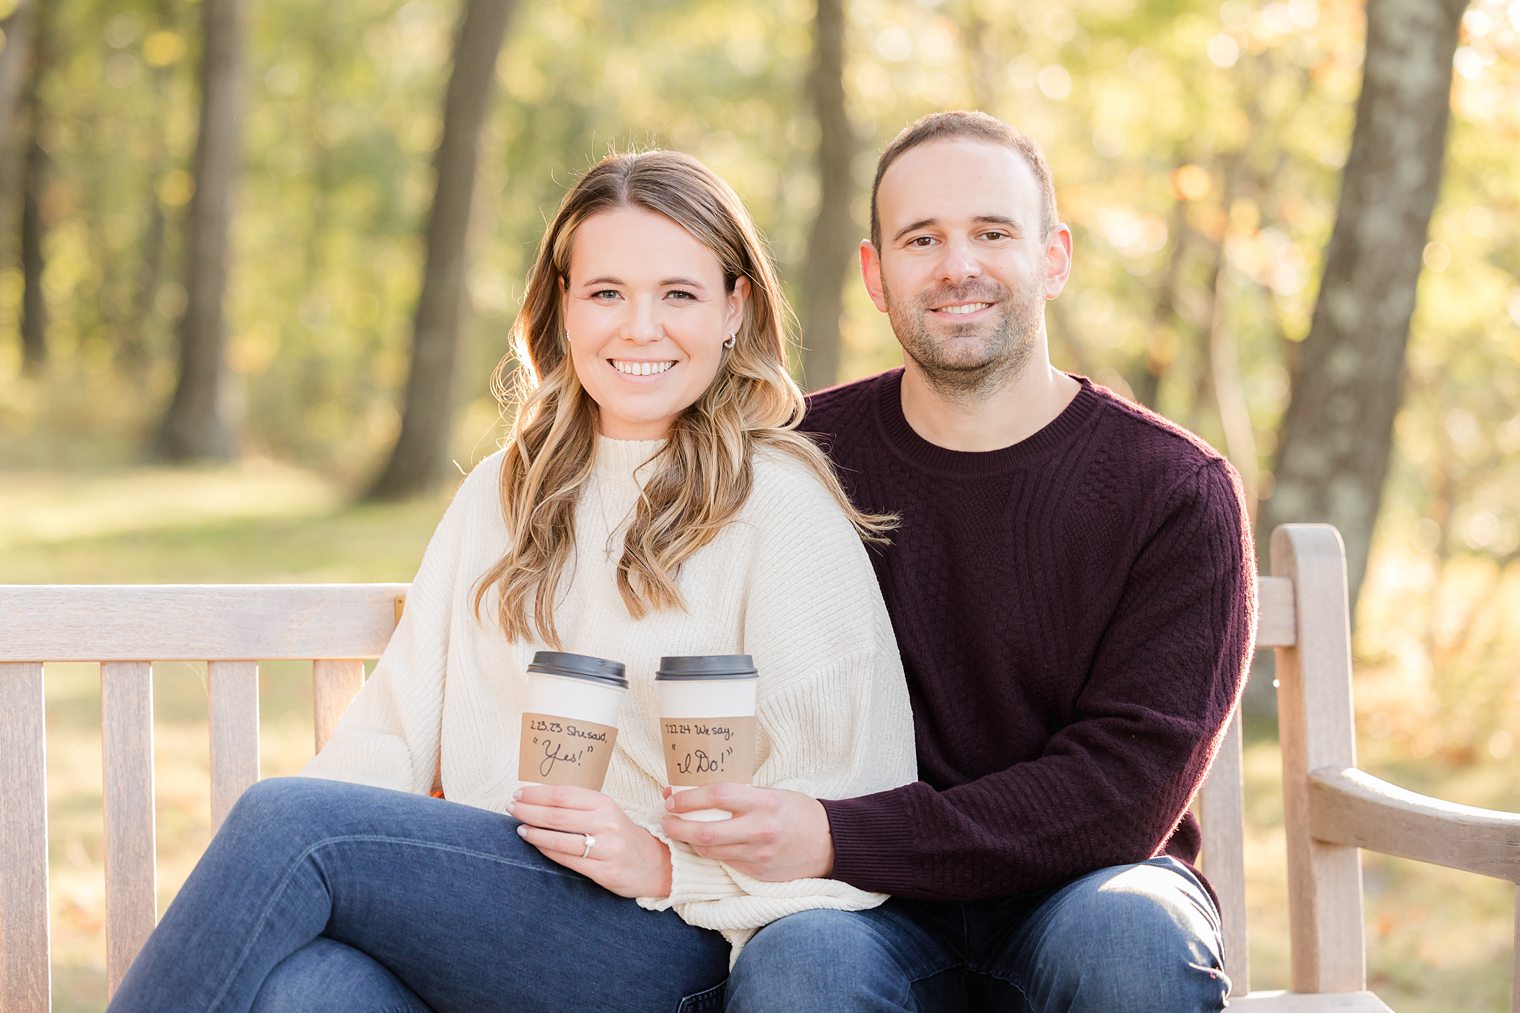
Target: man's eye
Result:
[921, 241]
[994, 234]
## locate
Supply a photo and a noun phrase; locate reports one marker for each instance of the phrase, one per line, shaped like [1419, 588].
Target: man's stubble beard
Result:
[999, 356]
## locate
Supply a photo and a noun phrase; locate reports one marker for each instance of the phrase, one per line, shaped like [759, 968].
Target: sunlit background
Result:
[1198, 149]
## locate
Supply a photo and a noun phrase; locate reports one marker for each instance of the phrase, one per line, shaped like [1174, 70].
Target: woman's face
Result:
[646, 314]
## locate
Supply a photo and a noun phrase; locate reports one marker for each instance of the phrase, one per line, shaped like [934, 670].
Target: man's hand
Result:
[624, 857]
[775, 835]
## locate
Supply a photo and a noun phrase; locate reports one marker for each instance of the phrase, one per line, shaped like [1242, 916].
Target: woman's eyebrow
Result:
[608, 279]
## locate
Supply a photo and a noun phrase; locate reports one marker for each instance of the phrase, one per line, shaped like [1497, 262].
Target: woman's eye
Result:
[606, 293]
[681, 295]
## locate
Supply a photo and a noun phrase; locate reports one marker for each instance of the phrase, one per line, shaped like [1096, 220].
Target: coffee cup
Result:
[707, 722]
[569, 722]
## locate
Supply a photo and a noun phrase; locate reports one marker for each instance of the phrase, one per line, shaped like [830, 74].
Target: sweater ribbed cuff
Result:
[692, 878]
[870, 836]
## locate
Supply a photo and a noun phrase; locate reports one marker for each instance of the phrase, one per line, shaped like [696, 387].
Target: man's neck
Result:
[1015, 411]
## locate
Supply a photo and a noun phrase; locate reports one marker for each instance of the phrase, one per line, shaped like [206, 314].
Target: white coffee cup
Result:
[707, 722]
[569, 722]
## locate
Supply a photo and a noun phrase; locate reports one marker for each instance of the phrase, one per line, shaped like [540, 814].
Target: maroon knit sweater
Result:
[1075, 614]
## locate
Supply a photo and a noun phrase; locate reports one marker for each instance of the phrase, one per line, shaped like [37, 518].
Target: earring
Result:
[733, 339]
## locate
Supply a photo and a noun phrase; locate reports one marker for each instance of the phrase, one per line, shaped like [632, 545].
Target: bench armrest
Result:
[1351, 807]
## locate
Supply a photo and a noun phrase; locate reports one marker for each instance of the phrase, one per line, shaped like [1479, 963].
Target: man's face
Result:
[963, 270]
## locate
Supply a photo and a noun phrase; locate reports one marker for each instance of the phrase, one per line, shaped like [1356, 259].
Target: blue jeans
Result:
[1136, 938]
[316, 895]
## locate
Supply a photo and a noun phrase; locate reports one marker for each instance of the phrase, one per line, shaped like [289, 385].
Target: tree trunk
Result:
[33, 300]
[135, 349]
[1156, 358]
[1337, 434]
[417, 461]
[34, 172]
[196, 426]
[833, 236]
[17, 30]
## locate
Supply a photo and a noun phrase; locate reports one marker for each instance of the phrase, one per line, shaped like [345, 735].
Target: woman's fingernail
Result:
[517, 795]
[522, 830]
[509, 808]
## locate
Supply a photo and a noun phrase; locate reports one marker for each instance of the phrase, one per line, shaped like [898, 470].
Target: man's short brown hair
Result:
[976, 126]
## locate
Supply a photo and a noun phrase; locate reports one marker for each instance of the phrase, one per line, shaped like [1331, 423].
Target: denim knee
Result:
[1142, 937]
[326, 976]
[279, 818]
[813, 960]
[287, 803]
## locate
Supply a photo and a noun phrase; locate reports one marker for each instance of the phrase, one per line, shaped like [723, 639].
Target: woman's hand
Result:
[625, 858]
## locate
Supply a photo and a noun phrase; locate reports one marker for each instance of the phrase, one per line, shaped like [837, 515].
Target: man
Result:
[1072, 590]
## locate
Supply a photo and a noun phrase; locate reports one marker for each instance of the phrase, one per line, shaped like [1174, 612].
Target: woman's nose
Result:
[642, 325]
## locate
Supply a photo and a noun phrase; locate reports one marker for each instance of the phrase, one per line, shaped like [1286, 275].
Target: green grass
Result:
[1439, 941]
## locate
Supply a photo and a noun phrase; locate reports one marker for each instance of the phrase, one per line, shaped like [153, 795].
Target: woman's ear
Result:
[736, 300]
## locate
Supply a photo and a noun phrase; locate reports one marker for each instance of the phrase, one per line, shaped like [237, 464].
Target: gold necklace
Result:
[609, 527]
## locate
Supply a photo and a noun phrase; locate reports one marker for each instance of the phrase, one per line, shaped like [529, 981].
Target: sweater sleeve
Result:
[389, 736]
[1111, 786]
[832, 703]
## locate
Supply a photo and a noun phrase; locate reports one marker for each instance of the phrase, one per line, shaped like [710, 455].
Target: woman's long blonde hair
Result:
[703, 473]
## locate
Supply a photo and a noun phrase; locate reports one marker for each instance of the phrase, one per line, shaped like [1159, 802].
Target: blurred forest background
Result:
[259, 257]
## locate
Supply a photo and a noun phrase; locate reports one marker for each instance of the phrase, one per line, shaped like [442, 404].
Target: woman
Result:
[653, 500]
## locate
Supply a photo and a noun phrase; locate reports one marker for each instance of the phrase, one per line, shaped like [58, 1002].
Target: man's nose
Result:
[959, 262]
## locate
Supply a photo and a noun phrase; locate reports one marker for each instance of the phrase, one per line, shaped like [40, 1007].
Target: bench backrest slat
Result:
[234, 703]
[1276, 617]
[175, 622]
[126, 716]
[126, 628]
[1221, 803]
[25, 967]
[1223, 859]
[334, 683]
[1316, 729]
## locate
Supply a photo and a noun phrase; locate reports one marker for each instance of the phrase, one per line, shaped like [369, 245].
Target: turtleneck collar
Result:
[617, 460]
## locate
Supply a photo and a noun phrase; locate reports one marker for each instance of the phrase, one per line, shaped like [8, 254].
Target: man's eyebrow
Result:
[924, 223]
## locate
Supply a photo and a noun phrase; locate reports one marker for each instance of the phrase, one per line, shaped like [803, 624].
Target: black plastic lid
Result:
[707, 666]
[579, 666]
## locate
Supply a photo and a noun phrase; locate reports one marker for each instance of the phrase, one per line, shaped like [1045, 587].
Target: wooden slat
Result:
[25, 972]
[1316, 729]
[126, 703]
[198, 622]
[1351, 806]
[1297, 1002]
[334, 684]
[234, 733]
[1224, 851]
[1276, 621]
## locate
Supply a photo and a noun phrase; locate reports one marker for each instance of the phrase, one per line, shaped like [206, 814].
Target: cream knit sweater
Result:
[787, 581]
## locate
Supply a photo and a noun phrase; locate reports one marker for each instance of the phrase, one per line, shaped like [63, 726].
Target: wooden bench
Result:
[1332, 809]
